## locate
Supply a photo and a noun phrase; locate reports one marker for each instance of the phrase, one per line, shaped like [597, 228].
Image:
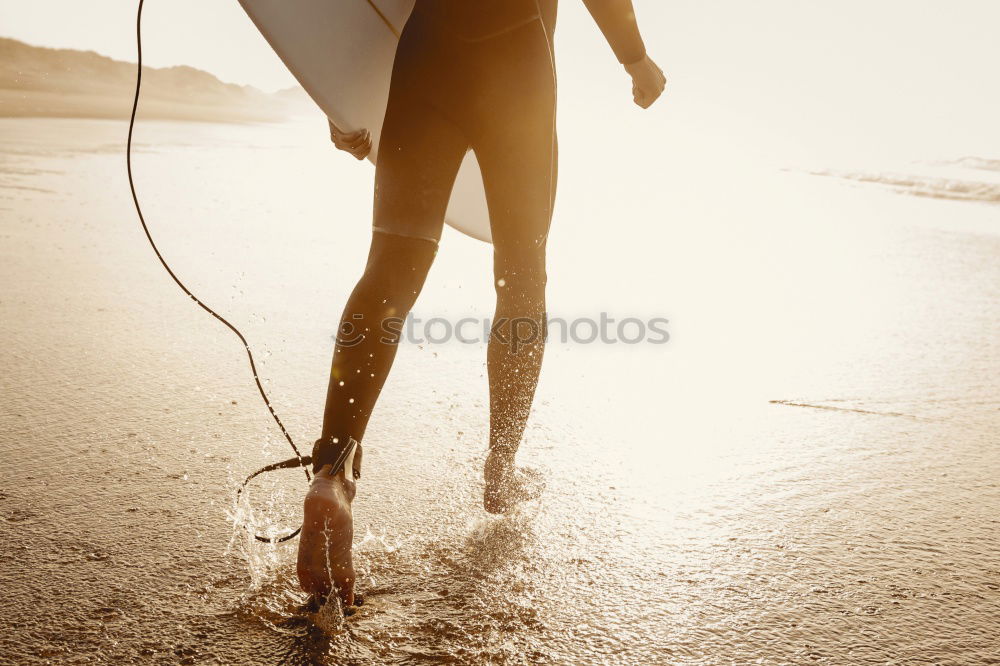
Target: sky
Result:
[891, 76]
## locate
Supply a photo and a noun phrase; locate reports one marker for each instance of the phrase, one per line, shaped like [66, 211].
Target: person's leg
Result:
[369, 333]
[418, 160]
[415, 173]
[514, 362]
[517, 155]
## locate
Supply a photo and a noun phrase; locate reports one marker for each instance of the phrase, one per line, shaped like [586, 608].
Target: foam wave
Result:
[976, 163]
[934, 188]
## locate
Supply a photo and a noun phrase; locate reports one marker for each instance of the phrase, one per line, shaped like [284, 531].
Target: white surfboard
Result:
[341, 51]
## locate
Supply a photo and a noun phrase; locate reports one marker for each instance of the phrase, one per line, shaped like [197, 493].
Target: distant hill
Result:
[37, 81]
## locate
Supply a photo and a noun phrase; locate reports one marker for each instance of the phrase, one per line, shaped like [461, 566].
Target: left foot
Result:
[325, 566]
[506, 485]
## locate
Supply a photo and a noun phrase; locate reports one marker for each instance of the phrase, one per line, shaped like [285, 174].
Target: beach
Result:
[805, 472]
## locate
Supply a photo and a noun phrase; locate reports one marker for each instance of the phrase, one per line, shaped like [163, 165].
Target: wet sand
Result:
[806, 473]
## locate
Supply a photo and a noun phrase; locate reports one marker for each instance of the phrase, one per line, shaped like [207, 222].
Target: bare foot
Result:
[506, 485]
[325, 565]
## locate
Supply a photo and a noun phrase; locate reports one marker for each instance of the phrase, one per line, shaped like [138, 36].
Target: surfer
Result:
[467, 75]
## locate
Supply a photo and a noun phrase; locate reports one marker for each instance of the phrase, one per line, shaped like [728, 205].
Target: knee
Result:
[521, 278]
[396, 270]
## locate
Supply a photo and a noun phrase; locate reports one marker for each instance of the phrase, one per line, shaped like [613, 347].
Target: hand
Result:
[648, 81]
[357, 143]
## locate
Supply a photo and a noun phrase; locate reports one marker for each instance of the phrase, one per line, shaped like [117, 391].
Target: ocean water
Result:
[807, 472]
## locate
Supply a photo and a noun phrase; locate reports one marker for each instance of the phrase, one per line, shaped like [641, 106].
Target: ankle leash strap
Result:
[338, 459]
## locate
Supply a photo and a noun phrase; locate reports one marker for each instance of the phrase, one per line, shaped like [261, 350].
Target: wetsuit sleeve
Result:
[616, 19]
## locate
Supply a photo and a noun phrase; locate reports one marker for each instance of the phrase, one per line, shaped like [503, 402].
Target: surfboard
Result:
[341, 52]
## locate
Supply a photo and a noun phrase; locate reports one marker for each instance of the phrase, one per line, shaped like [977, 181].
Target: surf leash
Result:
[298, 460]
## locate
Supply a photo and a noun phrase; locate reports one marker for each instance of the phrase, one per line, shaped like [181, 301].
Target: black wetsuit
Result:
[479, 75]
[468, 75]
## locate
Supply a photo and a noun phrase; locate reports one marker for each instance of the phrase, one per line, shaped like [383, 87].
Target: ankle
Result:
[499, 464]
[330, 451]
[339, 483]
[502, 453]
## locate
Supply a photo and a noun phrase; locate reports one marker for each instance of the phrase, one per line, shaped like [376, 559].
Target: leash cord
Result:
[299, 460]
